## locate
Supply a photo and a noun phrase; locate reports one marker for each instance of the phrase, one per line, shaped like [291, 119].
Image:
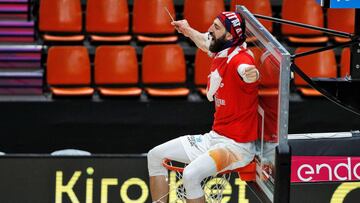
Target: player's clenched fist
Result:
[182, 26]
[249, 73]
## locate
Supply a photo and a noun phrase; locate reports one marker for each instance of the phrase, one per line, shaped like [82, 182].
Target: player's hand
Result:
[248, 72]
[182, 26]
[251, 74]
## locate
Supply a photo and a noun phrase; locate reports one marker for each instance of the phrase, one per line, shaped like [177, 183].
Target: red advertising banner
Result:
[325, 169]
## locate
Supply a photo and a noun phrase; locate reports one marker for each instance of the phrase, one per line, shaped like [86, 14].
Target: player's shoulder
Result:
[244, 57]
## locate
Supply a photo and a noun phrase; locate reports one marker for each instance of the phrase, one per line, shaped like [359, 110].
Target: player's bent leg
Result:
[158, 177]
[158, 173]
[172, 149]
[202, 167]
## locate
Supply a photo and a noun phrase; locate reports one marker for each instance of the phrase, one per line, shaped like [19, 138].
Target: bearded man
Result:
[233, 85]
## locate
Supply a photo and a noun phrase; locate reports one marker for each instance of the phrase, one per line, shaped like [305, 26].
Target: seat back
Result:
[68, 65]
[60, 16]
[341, 19]
[201, 13]
[163, 64]
[116, 65]
[262, 7]
[150, 17]
[345, 62]
[202, 67]
[303, 11]
[321, 64]
[107, 16]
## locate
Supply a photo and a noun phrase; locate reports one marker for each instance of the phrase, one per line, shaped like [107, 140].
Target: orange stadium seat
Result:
[262, 7]
[202, 70]
[108, 20]
[342, 20]
[68, 71]
[345, 62]
[201, 13]
[164, 64]
[150, 19]
[117, 65]
[303, 11]
[322, 64]
[62, 17]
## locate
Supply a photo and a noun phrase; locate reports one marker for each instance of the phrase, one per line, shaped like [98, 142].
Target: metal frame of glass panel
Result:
[283, 57]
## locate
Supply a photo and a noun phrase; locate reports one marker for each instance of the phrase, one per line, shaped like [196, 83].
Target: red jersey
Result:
[236, 102]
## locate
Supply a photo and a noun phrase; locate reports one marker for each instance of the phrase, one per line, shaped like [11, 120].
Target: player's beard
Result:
[217, 45]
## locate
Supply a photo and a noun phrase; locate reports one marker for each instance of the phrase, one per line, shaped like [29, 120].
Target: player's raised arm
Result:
[200, 39]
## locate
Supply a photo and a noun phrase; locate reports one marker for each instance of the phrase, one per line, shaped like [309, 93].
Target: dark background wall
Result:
[135, 126]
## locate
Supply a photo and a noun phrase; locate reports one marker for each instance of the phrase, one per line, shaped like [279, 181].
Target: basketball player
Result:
[233, 85]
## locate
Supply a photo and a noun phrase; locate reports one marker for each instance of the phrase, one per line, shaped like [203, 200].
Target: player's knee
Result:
[186, 176]
[192, 183]
[154, 155]
[155, 166]
[191, 176]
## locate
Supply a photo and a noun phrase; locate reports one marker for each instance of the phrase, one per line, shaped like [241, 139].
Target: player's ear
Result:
[228, 36]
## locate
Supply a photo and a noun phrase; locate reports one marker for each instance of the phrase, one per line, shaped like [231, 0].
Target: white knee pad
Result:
[155, 166]
[202, 167]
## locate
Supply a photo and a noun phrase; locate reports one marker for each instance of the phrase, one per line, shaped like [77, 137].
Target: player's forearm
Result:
[199, 39]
